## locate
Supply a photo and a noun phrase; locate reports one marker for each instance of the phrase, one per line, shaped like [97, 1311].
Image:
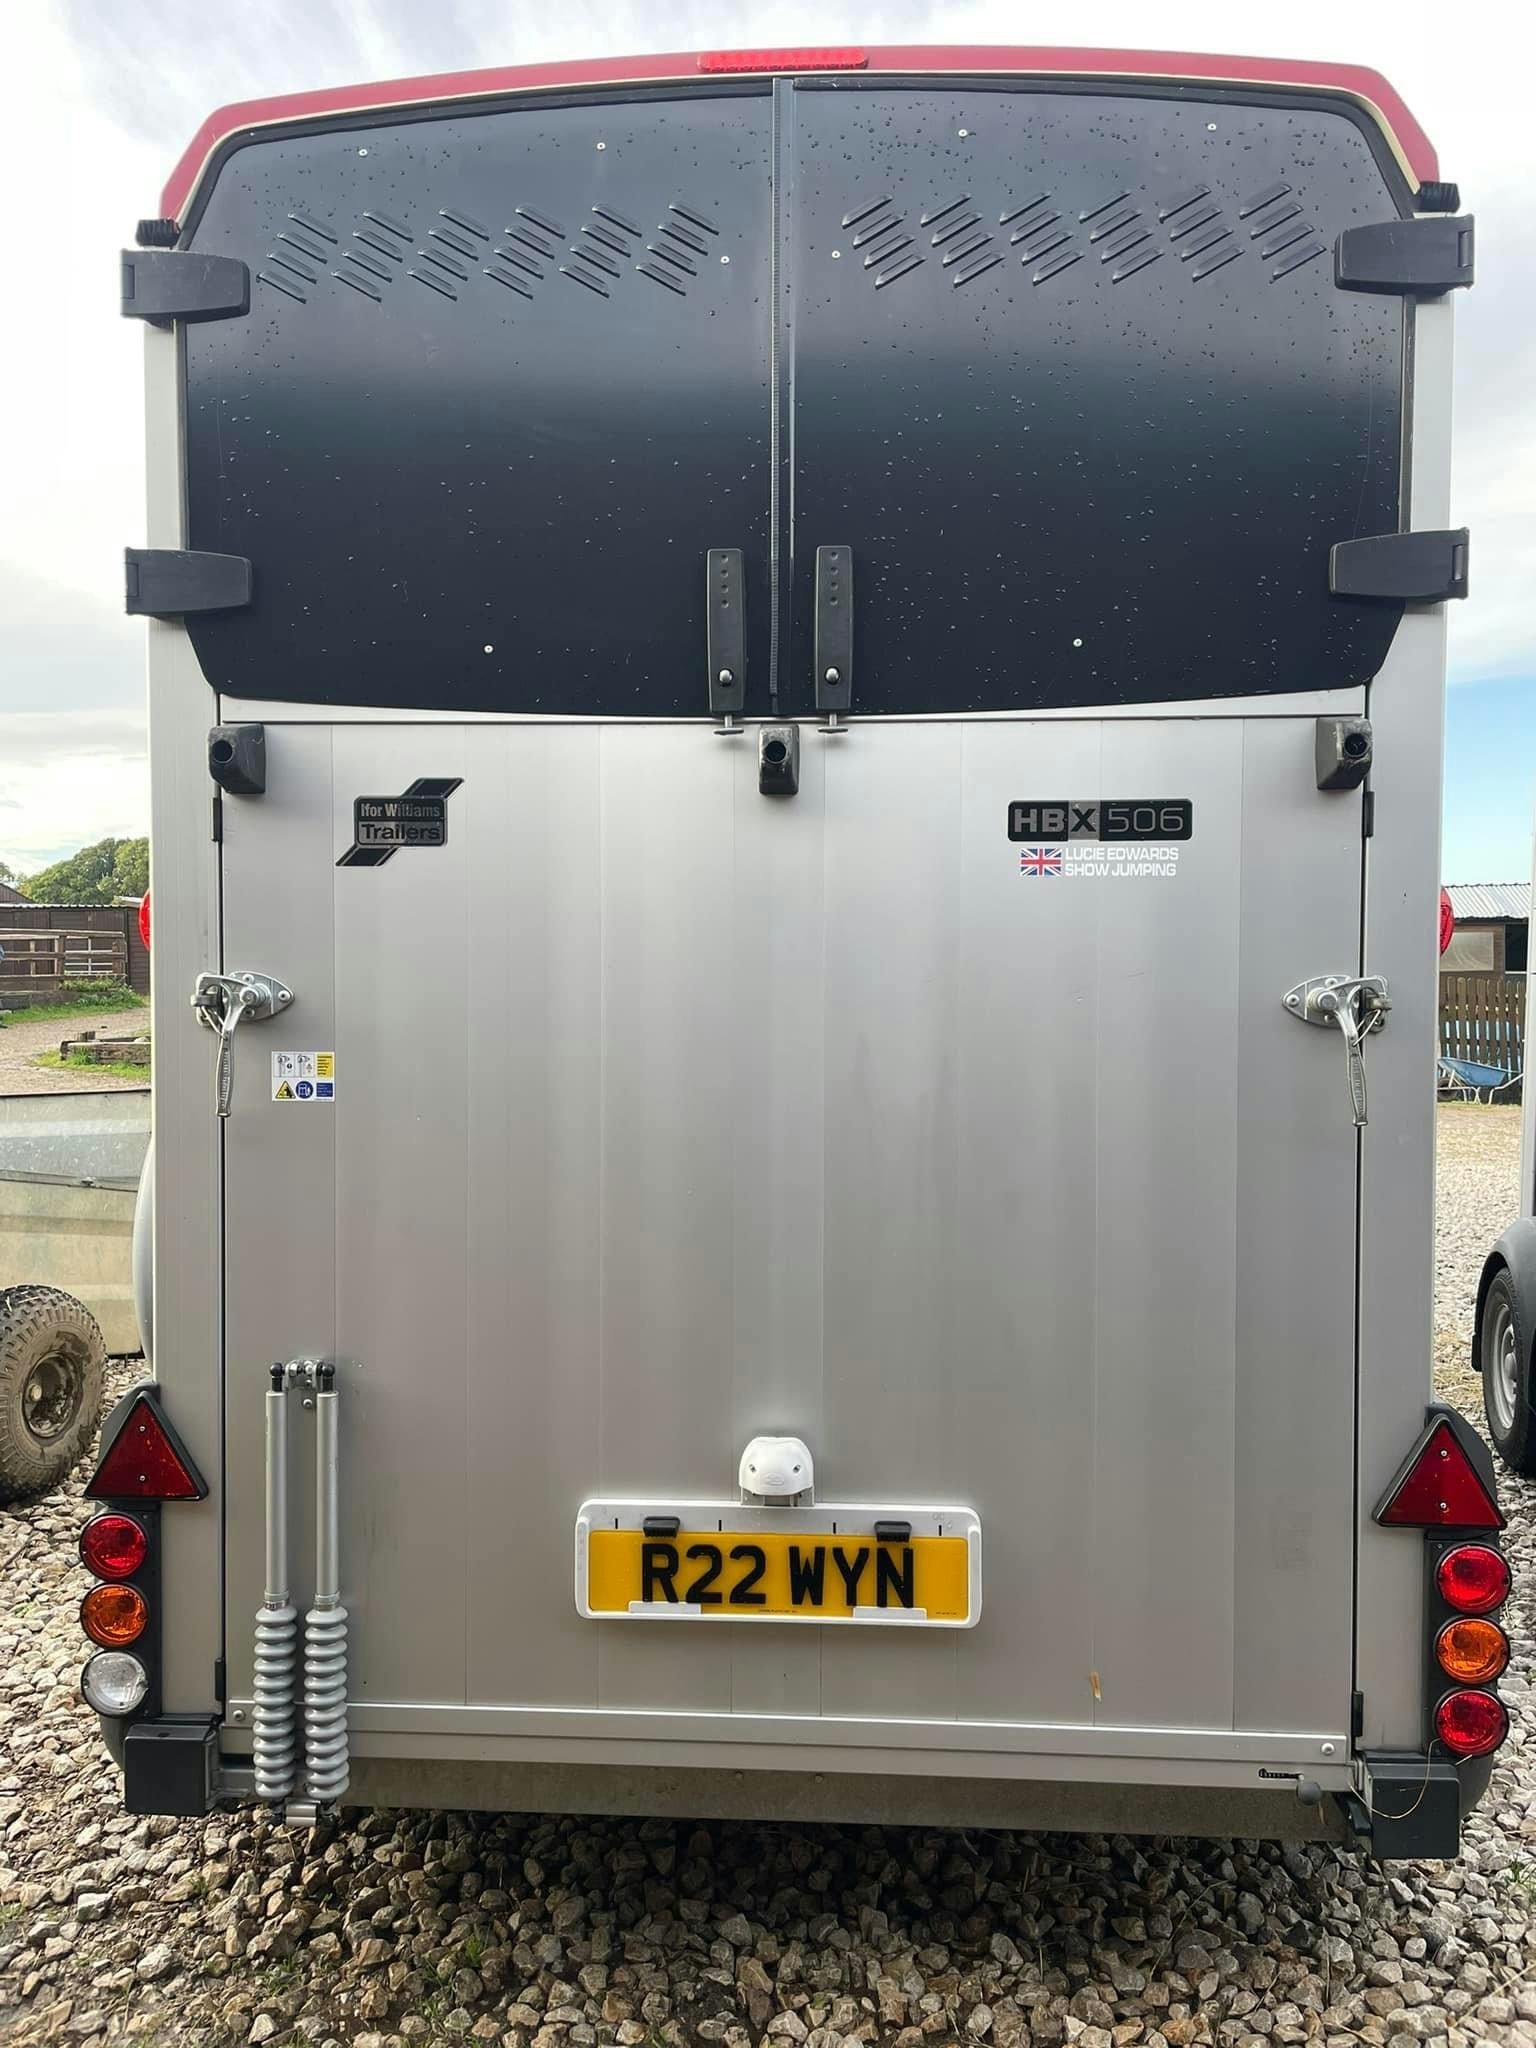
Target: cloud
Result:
[68, 778]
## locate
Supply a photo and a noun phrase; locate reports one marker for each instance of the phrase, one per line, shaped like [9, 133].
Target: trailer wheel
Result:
[1504, 1352]
[52, 1368]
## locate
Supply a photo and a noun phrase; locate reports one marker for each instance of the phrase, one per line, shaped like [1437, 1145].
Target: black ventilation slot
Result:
[1275, 218]
[965, 247]
[1037, 231]
[881, 240]
[1119, 233]
[1198, 231]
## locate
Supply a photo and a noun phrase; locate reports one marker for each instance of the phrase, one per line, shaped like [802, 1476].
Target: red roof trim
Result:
[1366, 88]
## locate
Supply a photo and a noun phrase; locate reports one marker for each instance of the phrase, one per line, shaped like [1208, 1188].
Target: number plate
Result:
[725, 1562]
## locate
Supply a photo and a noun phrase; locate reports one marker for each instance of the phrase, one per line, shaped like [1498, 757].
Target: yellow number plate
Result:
[747, 1574]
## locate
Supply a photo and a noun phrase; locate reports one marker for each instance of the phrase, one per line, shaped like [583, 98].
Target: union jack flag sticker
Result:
[1040, 860]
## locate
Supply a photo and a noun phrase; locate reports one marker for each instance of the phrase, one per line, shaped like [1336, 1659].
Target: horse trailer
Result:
[724, 1243]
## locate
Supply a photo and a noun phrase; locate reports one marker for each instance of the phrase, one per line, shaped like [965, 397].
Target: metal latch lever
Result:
[1357, 1007]
[223, 1002]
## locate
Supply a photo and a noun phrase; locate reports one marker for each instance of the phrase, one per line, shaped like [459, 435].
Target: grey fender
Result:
[1515, 1251]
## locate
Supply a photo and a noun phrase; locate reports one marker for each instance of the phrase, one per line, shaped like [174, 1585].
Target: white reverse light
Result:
[114, 1683]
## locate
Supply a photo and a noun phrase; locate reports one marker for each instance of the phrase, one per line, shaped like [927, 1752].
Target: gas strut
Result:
[326, 1761]
[277, 1623]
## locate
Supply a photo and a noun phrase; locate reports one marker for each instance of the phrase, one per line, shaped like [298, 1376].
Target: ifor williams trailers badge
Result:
[381, 825]
[1134, 836]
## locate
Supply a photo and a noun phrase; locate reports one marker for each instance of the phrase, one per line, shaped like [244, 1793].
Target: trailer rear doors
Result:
[945, 1114]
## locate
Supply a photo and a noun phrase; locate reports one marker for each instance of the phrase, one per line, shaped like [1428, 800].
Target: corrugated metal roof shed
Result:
[1489, 899]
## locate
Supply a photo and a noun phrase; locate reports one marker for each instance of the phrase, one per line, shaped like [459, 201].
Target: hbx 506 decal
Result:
[1133, 818]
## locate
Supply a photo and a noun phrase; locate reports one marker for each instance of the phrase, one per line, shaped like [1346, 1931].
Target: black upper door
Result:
[503, 384]
[1070, 374]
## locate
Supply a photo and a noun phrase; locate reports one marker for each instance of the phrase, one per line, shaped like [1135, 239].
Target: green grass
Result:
[83, 998]
[116, 1070]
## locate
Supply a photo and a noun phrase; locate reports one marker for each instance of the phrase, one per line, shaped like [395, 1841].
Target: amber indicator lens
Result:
[113, 1546]
[1472, 1578]
[1473, 1652]
[1471, 1723]
[114, 1615]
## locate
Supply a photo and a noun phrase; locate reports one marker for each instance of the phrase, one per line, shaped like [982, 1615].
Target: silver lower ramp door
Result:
[889, 1116]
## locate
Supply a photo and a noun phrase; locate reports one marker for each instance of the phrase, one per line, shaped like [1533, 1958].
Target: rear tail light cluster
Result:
[1471, 1650]
[143, 1462]
[1445, 1487]
[115, 1613]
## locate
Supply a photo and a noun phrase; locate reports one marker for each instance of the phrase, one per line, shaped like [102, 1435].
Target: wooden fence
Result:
[62, 956]
[97, 939]
[1482, 1018]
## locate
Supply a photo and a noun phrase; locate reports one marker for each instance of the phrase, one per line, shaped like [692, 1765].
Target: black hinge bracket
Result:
[834, 629]
[1422, 257]
[1357, 1713]
[167, 583]
[1402, 568]
[218, 818]
[1367, 831]
[219, 1685]
[725, 632]
[163, 285]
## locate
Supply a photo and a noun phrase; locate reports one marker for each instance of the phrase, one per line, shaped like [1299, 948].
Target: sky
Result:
[104, 95]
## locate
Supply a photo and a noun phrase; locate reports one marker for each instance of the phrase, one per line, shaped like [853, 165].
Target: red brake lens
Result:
[144, 919]
[1473, 1579]
[1471, 1723]
[113, 1546]
[802, 59]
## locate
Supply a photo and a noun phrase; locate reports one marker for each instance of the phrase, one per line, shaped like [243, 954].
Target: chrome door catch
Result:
[223, 1002]
[1357, 1007]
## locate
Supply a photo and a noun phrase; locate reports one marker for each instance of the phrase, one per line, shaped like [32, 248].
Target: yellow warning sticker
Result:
[304, 1077]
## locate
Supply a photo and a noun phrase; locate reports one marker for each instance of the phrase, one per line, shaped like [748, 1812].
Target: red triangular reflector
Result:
[1439, 1488]
[144, 1459]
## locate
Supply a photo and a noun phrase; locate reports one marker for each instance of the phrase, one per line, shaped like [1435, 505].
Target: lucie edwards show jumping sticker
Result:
[1134, 837]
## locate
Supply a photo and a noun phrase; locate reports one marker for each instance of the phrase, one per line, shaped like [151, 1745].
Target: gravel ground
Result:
[396, 1928]
[21, 1042]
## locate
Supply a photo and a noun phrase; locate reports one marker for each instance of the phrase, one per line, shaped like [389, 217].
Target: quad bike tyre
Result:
[52, 1372]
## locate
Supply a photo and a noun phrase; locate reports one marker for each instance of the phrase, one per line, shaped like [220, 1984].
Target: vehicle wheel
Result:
[1504, 1352]
[52, 1367]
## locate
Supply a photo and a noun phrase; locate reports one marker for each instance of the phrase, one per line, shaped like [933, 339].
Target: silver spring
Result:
[326, 1750]
[273, 1693]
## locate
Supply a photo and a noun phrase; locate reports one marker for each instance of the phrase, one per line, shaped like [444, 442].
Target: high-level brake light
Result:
[842, 59]
[1473, 1579]
[1471, 1723]
[1439, 1487]
[113, 1546]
